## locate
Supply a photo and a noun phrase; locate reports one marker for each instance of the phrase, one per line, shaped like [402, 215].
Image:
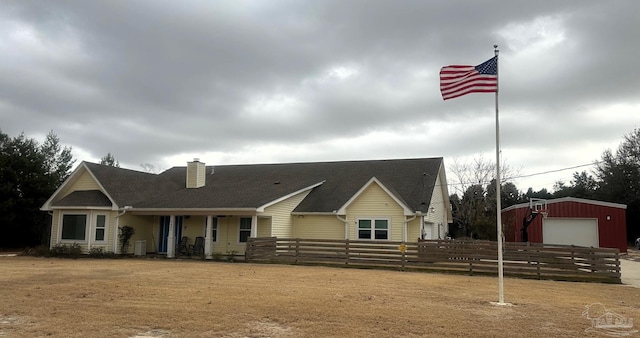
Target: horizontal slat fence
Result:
[527, 260]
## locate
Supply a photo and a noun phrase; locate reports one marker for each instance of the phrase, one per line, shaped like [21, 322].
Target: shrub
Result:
[231, 255]
[126, 232]
[63, 250]
[100, 252]
[216, 256]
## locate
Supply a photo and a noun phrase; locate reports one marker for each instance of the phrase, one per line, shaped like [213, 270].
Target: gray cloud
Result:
[151, 80]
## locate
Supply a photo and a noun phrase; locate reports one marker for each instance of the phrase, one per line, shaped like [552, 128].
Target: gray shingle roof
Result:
[251, 186]
[84, 198]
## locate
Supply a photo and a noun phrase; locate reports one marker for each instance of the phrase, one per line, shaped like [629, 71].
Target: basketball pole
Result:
[498, 186]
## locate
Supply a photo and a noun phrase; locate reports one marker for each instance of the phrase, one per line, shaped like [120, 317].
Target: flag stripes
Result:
[458, 80]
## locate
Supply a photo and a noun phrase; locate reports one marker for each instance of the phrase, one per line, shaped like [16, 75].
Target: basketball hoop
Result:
[538, 206]
[542, 212]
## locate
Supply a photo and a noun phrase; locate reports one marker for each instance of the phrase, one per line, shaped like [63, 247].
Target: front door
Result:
[164, 231]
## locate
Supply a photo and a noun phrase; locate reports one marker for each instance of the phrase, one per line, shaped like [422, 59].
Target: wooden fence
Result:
[527, 260]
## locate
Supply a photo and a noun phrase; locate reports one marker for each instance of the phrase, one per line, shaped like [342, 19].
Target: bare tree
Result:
[149, 168]
[476, 171]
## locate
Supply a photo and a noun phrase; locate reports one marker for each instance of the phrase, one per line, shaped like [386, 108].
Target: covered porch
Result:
[222, 232]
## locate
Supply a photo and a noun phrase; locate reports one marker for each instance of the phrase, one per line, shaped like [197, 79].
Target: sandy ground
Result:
[178, 298]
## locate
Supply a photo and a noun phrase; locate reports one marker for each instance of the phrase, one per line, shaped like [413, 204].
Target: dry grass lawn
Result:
[182, 298]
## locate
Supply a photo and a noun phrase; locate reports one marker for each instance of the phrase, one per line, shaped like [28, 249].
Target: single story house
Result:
[396, 200]
[569, 221]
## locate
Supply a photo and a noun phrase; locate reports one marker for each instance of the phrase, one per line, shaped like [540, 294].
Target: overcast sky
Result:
[229, 82]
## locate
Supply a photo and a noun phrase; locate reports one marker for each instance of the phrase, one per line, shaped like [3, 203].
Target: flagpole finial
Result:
[495, 49]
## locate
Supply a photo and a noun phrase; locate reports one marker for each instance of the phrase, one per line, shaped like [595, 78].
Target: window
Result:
[364, 229]
[101, 221]
[245, 229]
[379, 231]
[382, 229]
[74, 227]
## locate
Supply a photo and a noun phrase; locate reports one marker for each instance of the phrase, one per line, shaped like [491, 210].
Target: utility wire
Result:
[554, 171]
[534, 174]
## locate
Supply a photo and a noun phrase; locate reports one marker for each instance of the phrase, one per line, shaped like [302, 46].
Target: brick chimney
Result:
[195, 174]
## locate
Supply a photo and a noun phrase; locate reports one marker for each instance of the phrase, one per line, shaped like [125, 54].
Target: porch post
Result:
[171, 238]
[254, 226]
[208, 237]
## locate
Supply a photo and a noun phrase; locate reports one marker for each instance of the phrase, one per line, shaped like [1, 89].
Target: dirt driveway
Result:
[630, 268]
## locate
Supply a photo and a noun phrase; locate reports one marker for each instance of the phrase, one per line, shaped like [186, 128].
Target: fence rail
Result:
[527, 260]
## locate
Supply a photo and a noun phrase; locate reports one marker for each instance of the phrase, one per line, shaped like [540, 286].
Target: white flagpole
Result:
[498, 186]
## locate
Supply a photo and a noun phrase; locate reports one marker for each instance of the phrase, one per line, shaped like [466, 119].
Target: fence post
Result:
[538, 264]
[297, 250]
[247, 252]
[403, 250]
[346, 251]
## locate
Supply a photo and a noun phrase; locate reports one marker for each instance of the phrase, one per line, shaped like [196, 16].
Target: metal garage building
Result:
[568, 220]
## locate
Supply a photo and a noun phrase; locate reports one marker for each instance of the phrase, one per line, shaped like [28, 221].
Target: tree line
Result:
[615, 178]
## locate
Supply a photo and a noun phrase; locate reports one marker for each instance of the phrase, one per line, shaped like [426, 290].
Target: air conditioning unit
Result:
[140, 248]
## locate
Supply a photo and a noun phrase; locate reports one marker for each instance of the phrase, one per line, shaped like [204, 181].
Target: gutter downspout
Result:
[404, 225]
[346, 225]
[115, 231]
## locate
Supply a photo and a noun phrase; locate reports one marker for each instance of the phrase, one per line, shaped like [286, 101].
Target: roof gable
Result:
[411, 181]
[68, 186]
[374, 180]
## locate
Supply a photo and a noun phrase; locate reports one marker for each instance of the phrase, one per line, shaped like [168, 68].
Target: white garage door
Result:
[582, 232]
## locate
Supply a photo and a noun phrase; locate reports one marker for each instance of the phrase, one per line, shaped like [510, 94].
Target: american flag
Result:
[457, 80]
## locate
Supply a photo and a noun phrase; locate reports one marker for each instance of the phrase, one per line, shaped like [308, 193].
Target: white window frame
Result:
[87, 230]
[373, 228]
[94, 226]
[240, 230]
[90, 226]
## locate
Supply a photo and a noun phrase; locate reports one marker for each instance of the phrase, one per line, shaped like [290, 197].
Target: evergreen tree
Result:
[29, 174]
[619, 179]
[110, 160]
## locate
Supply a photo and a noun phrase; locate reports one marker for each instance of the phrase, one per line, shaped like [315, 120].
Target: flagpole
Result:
[498, 186]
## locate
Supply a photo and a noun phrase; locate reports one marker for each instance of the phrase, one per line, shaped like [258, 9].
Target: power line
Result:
[554, 171]
[531, 175]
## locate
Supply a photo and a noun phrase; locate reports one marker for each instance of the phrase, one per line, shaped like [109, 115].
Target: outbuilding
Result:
[567, 220]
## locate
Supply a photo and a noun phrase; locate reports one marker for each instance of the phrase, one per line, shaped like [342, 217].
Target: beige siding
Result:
[264, 227]
[229, 236]
[84, 182]
[413, 230]
[438, 216]
[194, 226]
[55, 228]
[375, 202]
[195, 174]
[281, 218]
[145, 227]
[318, 227]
